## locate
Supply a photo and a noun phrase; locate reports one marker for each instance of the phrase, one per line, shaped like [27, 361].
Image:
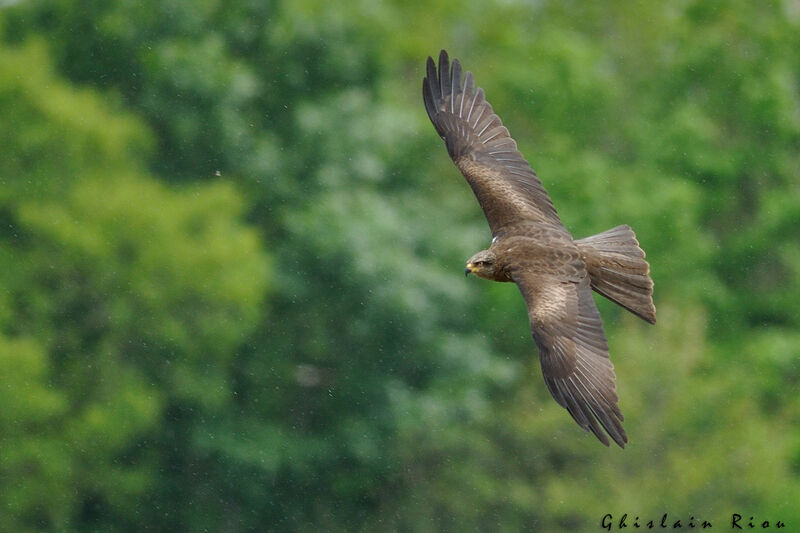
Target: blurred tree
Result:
[122, 308]
[380, 390]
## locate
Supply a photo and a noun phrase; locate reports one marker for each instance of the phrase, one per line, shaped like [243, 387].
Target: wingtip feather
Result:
[444, 74]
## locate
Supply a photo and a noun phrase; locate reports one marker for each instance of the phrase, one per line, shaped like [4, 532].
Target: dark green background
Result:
[231, 256]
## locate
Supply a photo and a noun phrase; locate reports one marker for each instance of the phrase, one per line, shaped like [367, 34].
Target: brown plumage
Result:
[530, 247]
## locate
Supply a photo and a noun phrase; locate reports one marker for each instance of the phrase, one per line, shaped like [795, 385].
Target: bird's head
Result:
[482, 264]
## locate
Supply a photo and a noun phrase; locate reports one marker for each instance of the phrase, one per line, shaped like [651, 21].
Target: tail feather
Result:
[618, 270]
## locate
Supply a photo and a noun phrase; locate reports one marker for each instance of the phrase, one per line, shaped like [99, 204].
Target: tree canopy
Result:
[231, 248]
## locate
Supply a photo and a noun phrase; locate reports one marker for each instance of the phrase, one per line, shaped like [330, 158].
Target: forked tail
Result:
[618, 270]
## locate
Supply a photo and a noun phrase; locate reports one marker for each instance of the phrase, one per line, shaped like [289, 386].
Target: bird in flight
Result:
[531, 247]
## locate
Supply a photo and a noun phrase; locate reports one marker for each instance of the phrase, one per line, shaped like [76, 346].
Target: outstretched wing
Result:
[507, 188]
[572, 349]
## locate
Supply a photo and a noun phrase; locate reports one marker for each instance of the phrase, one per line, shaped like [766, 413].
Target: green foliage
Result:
[174, 379]
[124, 303]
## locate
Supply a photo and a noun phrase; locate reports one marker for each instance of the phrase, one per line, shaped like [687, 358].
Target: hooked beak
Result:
[468, 269]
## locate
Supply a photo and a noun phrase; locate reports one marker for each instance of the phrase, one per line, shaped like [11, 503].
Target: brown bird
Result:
[531, 247]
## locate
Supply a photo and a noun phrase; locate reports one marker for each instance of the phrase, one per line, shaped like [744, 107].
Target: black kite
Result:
[531, 247]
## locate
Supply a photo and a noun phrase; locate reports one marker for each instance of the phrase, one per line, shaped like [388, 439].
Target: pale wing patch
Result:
[551, 303]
